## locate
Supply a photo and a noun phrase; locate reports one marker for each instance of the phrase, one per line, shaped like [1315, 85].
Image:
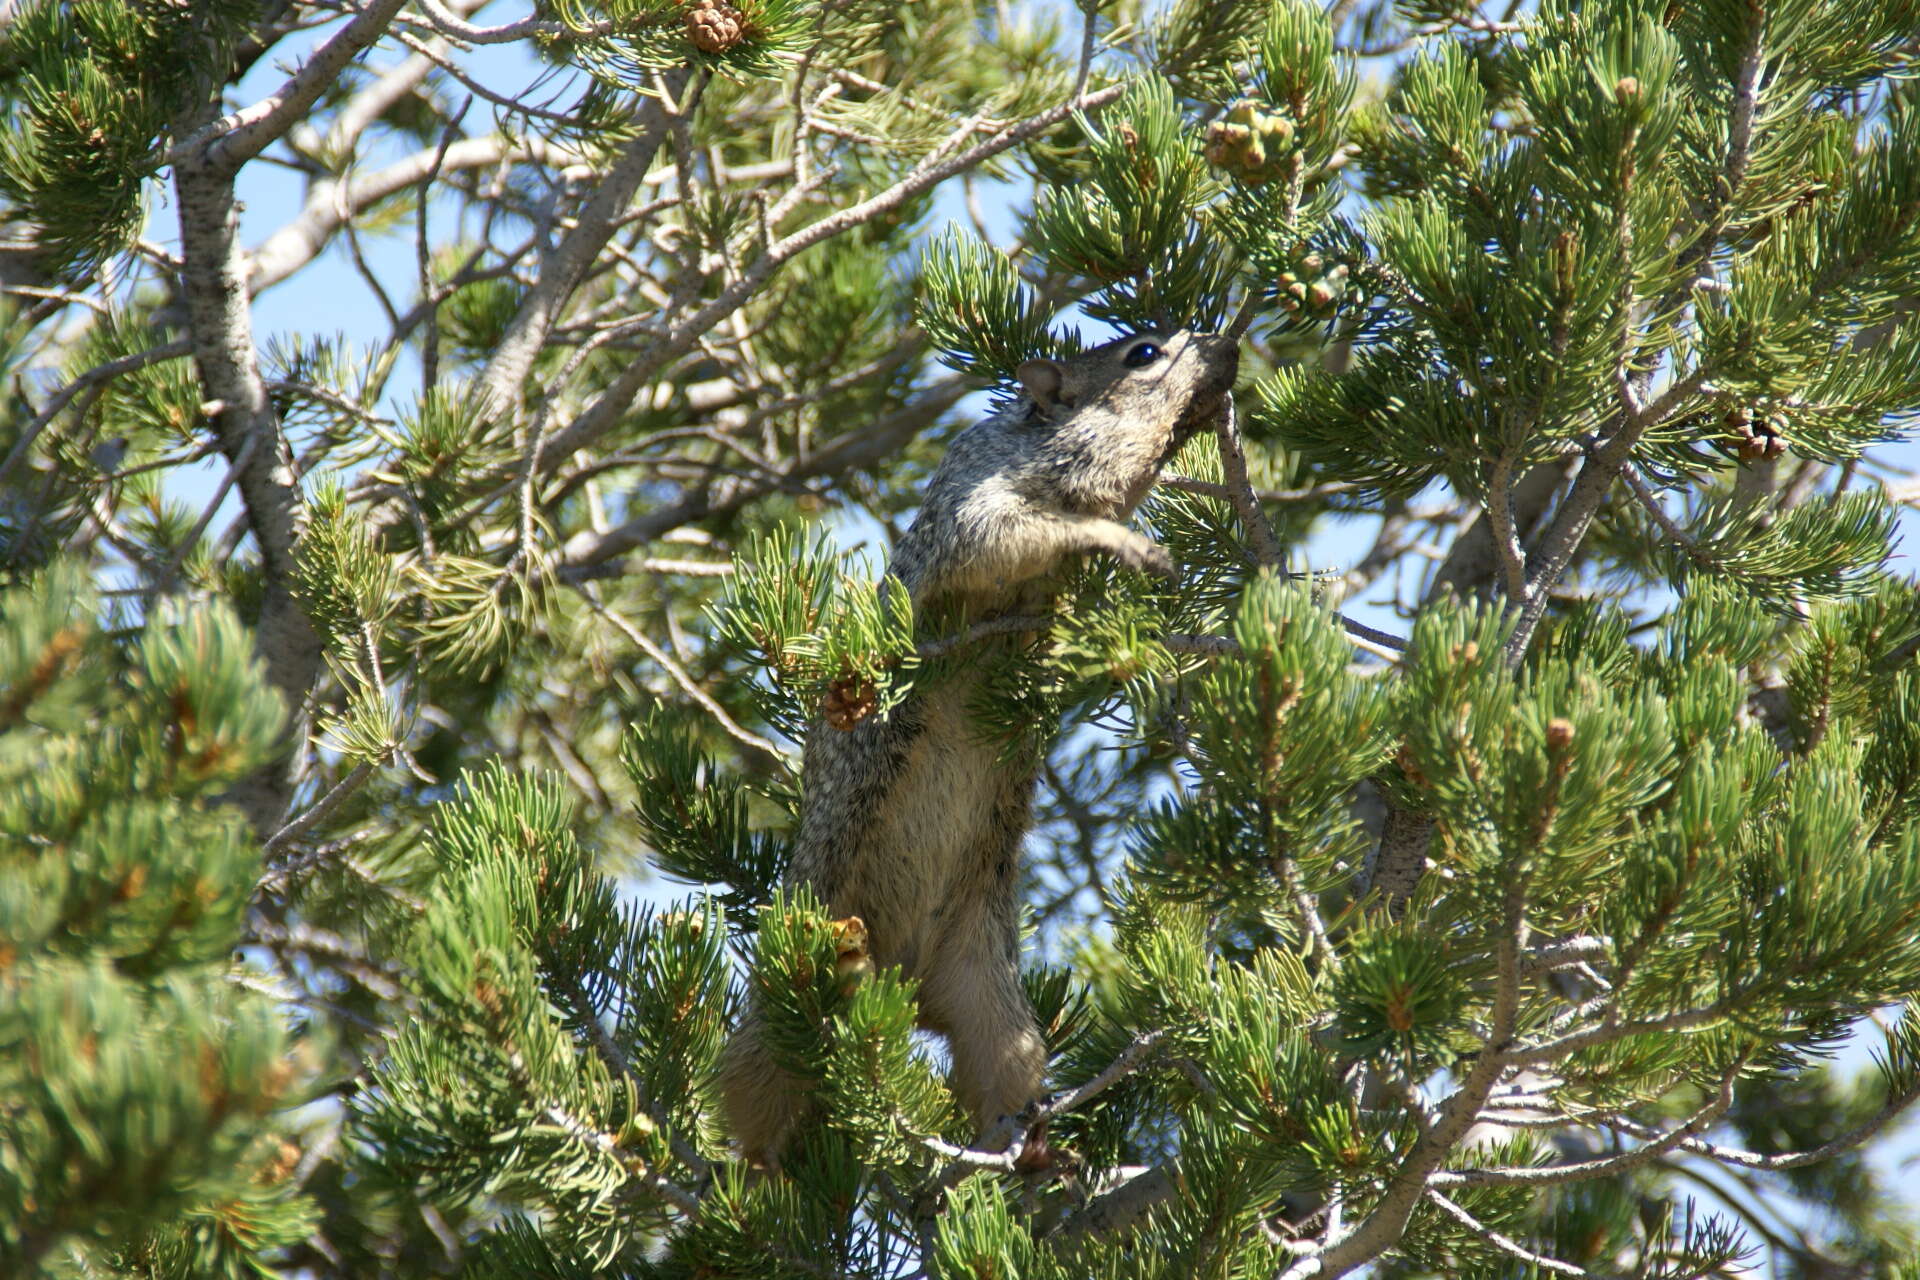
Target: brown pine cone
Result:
[714, 26]
[848, 702]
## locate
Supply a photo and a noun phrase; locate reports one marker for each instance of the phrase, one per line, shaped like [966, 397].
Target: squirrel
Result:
[912, 821]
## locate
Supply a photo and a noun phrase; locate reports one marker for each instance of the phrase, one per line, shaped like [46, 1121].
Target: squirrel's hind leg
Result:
[970, 990]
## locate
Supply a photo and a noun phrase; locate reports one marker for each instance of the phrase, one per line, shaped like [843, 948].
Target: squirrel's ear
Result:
[1042, 381]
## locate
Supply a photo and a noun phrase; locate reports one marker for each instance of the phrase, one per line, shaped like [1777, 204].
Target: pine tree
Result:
[349, 682]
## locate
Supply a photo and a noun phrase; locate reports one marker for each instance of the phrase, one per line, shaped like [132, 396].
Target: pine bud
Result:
[1626, 89]
[1565, 258]
[1559, 733]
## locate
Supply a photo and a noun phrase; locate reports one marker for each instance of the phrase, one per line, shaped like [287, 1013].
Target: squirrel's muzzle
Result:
[1218, 360]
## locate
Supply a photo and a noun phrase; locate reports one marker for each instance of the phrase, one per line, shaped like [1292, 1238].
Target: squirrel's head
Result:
[1164, 386]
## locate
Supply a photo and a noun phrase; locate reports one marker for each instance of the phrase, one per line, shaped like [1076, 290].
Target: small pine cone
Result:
[1224, 142]
[1756, 438]
[852, 956]
[848, 702]
[714, 26]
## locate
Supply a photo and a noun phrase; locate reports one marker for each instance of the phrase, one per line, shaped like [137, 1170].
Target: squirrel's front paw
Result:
[1151, 557]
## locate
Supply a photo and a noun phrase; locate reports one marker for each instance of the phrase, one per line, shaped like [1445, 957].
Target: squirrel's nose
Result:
[1218, 349]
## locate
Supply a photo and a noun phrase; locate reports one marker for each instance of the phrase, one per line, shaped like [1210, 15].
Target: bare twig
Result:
[325, 805]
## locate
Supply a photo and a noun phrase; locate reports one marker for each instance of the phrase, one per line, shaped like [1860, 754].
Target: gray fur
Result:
[912, 821]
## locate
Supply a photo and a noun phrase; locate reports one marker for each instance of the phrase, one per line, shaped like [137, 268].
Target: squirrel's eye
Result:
[1141, 354]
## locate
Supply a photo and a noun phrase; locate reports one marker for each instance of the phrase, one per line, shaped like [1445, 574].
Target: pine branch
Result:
[1895, 1107]
[1267, 550]
[1387, 1221]
[1605, 1167]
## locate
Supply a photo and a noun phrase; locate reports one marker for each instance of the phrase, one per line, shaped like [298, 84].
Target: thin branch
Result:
[1384, 643]
[1307, 493]
[1507, 1244]
[1608, 1032]
[1576, 514]
[1387, 1221]
[164, 579]
[1605, 1166]
[509, 32]
[64, 397]
[1631, 474]
[562, 270]
[1766, 1163]
[331, 202]
[1124, 1064]
[325, 805]
[981, 630]
[1506, 539]
[665, 661]
[607, 1146]
[1267, 549]
[585, 553]
[1135, 1192]
[1003, 1146]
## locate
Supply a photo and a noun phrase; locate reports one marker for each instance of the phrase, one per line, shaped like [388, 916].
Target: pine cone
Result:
[852, 958]
[1755, 439]
[714, 26]
[1251, 144]
[848, 702]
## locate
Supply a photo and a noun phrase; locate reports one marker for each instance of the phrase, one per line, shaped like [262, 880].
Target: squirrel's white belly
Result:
[946, 834]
